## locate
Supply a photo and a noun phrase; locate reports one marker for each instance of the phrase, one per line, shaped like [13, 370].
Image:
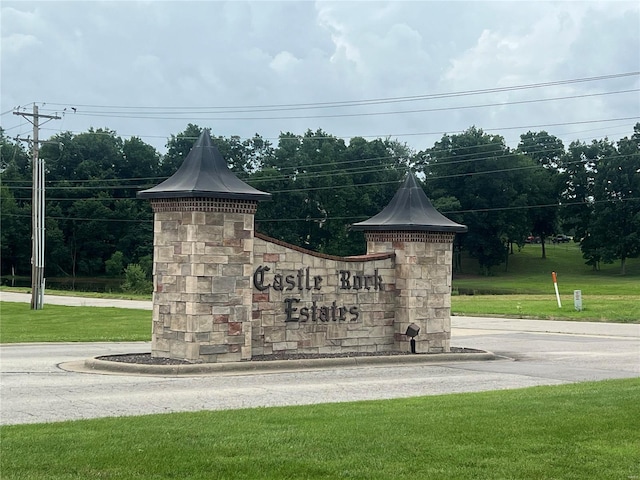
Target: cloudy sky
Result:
[408, 70]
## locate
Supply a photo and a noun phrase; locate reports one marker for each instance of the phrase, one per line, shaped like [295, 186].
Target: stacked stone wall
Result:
[222, 294]
[321, 304]
[423, 286]
[202, 289]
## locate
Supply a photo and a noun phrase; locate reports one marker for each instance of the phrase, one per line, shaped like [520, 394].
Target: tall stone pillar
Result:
[422, 241]
[203, 260]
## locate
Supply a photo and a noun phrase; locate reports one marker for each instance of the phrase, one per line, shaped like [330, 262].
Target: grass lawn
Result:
[528, 273]
[595, 308]
[526, 288]
[578, 431]
[56, 323]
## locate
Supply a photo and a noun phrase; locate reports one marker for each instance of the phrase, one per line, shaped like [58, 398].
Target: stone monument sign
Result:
[224, 293]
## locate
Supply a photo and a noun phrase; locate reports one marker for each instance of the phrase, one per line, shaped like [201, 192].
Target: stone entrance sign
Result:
[223, 293]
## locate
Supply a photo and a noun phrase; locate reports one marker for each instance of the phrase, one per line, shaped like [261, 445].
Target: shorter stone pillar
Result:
[422, 240]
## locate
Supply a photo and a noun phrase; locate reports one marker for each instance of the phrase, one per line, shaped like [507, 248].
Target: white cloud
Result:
[17, 43]
[193, 54]
[284, 62]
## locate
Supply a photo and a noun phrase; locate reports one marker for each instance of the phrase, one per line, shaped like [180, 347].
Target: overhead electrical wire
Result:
[109, 110]
[193, 116]
[306, 189]
[301, 172]
[305, 170]
[324, 219]
[393, 135]
[376, 101]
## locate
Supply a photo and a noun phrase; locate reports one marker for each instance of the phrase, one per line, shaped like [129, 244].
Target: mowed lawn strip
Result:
[57, 323]
[578, 431]
[595, 308]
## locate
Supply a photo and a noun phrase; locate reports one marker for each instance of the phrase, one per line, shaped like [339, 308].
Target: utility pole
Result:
[37, 210]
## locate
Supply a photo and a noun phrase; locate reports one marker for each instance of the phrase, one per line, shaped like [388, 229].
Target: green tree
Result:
[114, 266]
[139, 161]
[136, 280]
[15, 208]
[580, 166]
[615, 222]
[320, 186]
[92, 180]
[15, 234]
[480, 172]
[602, 187]
[543, 186]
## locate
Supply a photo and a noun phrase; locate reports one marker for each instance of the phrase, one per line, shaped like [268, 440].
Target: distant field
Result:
[524, 288]
[528, 273]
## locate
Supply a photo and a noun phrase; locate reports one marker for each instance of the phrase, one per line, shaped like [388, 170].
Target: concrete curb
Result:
[95, 365]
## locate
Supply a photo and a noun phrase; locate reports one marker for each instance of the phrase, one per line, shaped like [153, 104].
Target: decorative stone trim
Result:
[222, 205]
[354, 258]
[405, 236]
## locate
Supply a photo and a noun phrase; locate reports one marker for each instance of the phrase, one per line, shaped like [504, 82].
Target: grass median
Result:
[587, 430]
[57, 323]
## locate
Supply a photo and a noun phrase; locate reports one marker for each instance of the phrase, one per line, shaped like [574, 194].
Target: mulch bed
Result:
[147, 359]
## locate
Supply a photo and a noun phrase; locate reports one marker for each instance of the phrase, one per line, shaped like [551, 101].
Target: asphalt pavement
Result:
[44, 382]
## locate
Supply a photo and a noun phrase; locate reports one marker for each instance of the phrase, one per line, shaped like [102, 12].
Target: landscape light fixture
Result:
[412, 331]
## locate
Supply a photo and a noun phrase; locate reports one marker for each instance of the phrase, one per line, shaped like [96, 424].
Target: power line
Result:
[450, 133]
[165, 116]
[413, 98]
[395, 135]
[329, 174]
[360, 217]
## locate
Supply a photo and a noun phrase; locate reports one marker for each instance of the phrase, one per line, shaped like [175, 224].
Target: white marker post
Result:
[555, 285]
[577, 300]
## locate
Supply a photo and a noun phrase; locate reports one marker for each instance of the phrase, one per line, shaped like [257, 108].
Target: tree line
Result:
[320, 185]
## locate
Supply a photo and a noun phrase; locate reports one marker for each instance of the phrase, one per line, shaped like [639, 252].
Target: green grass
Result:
[526, 288]
[595, 308]
[56, 323]
[579, 431]
[529, 273]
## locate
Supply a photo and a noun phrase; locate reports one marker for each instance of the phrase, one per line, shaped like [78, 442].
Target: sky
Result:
[408, 70]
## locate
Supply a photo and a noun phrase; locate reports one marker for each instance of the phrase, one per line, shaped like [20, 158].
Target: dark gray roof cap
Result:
[204, 173]
[410, 210]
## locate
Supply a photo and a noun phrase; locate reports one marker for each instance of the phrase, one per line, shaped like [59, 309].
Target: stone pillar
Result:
[203, 260]
[423, 283]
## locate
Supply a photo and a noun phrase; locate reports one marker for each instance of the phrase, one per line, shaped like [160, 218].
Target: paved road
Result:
[35, 389]
[77, 301]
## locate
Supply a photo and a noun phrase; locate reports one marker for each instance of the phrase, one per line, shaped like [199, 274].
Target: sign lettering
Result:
[302, 280]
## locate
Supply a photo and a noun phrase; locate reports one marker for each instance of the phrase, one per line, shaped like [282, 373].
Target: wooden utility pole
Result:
[37, 211]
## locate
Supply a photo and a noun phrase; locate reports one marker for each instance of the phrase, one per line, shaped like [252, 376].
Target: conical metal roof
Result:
[204, 173]
[410, 210]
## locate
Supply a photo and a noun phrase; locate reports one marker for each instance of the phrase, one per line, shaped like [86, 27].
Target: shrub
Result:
[115, 265]
[136, 280]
